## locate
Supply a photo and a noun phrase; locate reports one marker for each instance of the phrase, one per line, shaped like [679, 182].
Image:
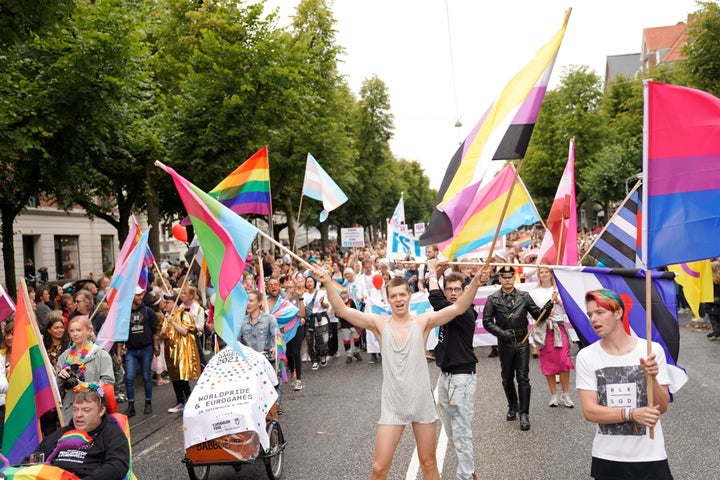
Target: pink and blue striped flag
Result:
[125, 280]
[131, 241]
[31, 386]
[319, 186]
[681, 193]
[225, 238]
[287, 317]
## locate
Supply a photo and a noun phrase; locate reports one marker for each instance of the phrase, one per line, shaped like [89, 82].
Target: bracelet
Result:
[626, 414]
[632, 414]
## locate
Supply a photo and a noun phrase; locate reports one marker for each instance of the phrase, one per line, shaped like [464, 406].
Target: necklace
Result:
[73, 356]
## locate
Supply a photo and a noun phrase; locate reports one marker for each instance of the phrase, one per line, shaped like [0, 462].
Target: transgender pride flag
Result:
[681, 168]
[319, 186]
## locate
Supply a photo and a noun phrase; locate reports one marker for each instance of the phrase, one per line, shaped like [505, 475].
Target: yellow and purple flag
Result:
[225, 238]
[503, 133]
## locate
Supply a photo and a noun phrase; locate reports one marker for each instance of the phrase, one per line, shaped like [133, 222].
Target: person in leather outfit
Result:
[505, 316]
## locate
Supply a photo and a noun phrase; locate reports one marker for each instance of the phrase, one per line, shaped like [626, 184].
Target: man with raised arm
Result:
[406, 397]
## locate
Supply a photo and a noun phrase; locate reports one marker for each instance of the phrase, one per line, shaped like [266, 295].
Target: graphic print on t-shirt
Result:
[621, 387]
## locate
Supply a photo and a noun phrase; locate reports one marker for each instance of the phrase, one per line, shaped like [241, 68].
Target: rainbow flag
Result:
[31, 385]
[524, 241]
[116, 327]
[681, 170]
[39, 472]
[503, 133]
[319, 186]
[475, 224]
[560, 243]
[247, 189]
[225, 238]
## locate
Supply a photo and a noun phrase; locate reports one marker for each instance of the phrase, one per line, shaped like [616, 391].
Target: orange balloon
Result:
[179, 233]
[377, 281]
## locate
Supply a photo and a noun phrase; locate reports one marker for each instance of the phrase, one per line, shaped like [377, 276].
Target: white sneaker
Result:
[177, 408]
[554, 400]
[315, 366]
[565, 399]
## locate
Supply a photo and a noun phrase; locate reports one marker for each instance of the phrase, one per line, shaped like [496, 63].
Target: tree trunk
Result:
[8, 249]
[324, 238]
[153, 208]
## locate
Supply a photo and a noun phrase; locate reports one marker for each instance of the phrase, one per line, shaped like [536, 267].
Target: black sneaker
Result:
[357, 356]
[348, 359]
[148, 408]
[493, 352]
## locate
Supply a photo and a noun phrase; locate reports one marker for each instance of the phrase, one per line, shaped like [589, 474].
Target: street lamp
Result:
[637, 176]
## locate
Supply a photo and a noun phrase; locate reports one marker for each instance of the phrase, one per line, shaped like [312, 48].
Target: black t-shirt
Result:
[143, 324]
[454, 351]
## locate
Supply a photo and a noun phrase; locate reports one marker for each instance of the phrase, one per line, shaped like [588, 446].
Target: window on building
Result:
[107, 247]
[67, 257]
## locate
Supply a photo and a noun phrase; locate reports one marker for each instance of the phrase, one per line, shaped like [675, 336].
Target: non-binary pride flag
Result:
[31, 386]
[319, 186]
[503, 133]
[629, 284]
[681, 218]
[225, 238]
[475, 224]
[247, 189]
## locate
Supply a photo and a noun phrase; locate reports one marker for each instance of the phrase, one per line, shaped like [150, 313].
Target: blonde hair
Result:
[84, 320]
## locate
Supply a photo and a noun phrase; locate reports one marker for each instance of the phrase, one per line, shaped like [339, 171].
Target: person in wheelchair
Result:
[93, 445]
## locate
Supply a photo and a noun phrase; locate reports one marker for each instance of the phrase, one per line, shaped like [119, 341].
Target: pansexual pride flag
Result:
[247, 189]
[225, 238]
[503, 133]
[31, 385]
[474, 224]
[319, 186]
[681, 194]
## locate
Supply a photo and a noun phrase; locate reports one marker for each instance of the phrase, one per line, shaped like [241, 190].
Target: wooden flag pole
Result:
[286, 250]
[504, 210]
[565, 215]
[162, 279]
[294, 248]
[648, 334]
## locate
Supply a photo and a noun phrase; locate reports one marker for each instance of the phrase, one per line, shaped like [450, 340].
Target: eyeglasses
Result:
[79, 300]
[454, 289]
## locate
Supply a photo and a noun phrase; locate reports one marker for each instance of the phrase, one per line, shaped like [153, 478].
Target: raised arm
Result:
[445, 315]
[356, 317]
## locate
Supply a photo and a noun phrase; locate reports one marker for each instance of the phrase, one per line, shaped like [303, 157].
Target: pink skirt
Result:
[554, 360]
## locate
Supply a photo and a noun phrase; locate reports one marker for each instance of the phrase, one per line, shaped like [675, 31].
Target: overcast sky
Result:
[407, 43]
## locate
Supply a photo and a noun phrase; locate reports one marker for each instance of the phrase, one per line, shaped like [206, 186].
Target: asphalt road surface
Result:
[330, 426]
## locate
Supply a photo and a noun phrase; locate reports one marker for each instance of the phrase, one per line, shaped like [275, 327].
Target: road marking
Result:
[414, 467]
[148, 450]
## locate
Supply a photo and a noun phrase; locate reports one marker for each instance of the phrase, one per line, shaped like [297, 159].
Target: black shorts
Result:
[602, 469]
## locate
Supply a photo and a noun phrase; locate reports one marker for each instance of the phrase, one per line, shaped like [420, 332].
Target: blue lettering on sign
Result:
[404, 244]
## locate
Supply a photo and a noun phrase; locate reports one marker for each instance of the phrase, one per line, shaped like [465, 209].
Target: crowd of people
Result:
[171, 335]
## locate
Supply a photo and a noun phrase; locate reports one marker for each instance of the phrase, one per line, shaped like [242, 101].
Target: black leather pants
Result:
[514, 363]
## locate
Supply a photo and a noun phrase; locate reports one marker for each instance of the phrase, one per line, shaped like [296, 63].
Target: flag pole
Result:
[286, 250]
[648, 330]
[162, 279]
[561, 246]
[298, 224]
[271, 228]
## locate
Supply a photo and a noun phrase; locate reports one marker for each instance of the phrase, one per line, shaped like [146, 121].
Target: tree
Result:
[702, 50]
[571, 110]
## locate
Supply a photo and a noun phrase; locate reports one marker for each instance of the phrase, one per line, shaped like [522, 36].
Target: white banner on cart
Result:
[232, 396]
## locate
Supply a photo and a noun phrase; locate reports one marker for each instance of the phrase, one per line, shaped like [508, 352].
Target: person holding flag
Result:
[612, 378]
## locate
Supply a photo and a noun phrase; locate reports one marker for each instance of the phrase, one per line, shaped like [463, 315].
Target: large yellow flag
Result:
[696, 280]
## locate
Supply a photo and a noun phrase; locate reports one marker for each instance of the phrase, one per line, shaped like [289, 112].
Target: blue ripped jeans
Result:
[455, 404]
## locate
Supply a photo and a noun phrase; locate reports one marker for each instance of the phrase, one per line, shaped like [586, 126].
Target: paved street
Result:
[330, 426]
